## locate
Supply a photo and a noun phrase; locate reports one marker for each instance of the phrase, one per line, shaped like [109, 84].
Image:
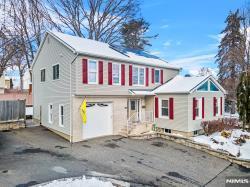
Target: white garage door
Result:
[99, 120]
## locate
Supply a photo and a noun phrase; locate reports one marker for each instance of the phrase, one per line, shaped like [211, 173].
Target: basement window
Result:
[196, 132]
[167, 131]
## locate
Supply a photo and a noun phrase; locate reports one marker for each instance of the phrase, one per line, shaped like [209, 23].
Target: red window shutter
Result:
[194, 106]
[171, 108]
[130, 75]
[100, 72]
[153, 75]
[161, 76]
[221, 105]
[146, 76]
[85, 71]
[123, 74]
[214, 103]
[156, 107]
[110, 73]
[203, 107]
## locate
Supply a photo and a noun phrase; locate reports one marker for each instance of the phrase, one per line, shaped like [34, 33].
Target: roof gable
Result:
[180, 84]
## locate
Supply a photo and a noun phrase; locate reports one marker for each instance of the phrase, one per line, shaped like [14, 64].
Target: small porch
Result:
[140, 114]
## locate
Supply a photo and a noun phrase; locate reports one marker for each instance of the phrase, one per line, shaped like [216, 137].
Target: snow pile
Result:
[218, 142]
[234, 116]
[77, 182]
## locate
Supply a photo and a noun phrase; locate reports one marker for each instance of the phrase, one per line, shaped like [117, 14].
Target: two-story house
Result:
[122, 88]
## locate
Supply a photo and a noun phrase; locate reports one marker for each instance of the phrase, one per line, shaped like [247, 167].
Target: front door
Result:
[134, 109]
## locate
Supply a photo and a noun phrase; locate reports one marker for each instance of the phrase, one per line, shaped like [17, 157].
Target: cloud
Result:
[164, 26]
[193, 64]
[178, 43]
[156, 52]
[167, 43]
[216, 37]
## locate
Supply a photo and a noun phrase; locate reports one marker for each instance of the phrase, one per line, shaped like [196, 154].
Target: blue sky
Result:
[188, 30]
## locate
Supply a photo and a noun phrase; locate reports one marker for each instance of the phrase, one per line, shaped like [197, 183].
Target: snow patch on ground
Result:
[77, 182]
[59, 169]
[227, 144]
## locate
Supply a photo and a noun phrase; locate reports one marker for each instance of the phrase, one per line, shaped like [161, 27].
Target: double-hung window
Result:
[165, 108]
[56, 72]
[50, 113]
[61, 115]
[157, 76]
[92, 72]
[42, 75]
[216, 107]
[116, 74]
[138, 76]
[198, 108]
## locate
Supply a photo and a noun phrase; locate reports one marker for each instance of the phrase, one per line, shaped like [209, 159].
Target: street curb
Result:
[190, 143]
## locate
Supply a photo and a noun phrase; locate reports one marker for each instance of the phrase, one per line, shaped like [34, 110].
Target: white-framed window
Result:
[116, 74]
[157, 76]
[217, 106]
[50, 113]
[42, 75]
[164, 105]
[56, 72]
[61, 115]
[198, 108]
[138, 76]
[92, 72]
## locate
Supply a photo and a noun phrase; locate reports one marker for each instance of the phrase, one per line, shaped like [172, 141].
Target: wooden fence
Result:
[11, 111]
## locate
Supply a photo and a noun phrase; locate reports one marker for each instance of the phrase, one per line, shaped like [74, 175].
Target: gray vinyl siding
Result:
[52, 91]
[208, 97]
[179, 123]
[105, 89]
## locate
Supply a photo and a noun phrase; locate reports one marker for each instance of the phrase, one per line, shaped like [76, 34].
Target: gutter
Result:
[70, 92]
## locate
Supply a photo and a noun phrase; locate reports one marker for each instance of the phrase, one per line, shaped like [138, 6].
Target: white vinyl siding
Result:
[116, 74]
[92, 72]
[138, 76]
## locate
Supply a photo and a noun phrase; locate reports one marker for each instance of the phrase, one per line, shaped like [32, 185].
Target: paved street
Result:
[35, 155]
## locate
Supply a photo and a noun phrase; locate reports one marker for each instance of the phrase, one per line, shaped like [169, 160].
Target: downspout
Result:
[70, 92]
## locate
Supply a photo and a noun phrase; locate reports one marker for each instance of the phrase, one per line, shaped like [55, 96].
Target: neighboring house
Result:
[4, 83]
[120, 87]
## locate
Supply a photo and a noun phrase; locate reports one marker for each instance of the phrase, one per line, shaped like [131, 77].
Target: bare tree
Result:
[27, 20]
[204, 71]
[99, 20]
[7, 49]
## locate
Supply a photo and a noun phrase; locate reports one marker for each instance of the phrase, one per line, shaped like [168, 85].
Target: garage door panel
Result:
[99, 120]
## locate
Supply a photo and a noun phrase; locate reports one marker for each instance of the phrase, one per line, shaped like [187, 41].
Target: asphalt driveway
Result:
[35, 155]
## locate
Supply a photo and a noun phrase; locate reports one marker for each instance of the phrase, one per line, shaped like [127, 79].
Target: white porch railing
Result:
[139, 118]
